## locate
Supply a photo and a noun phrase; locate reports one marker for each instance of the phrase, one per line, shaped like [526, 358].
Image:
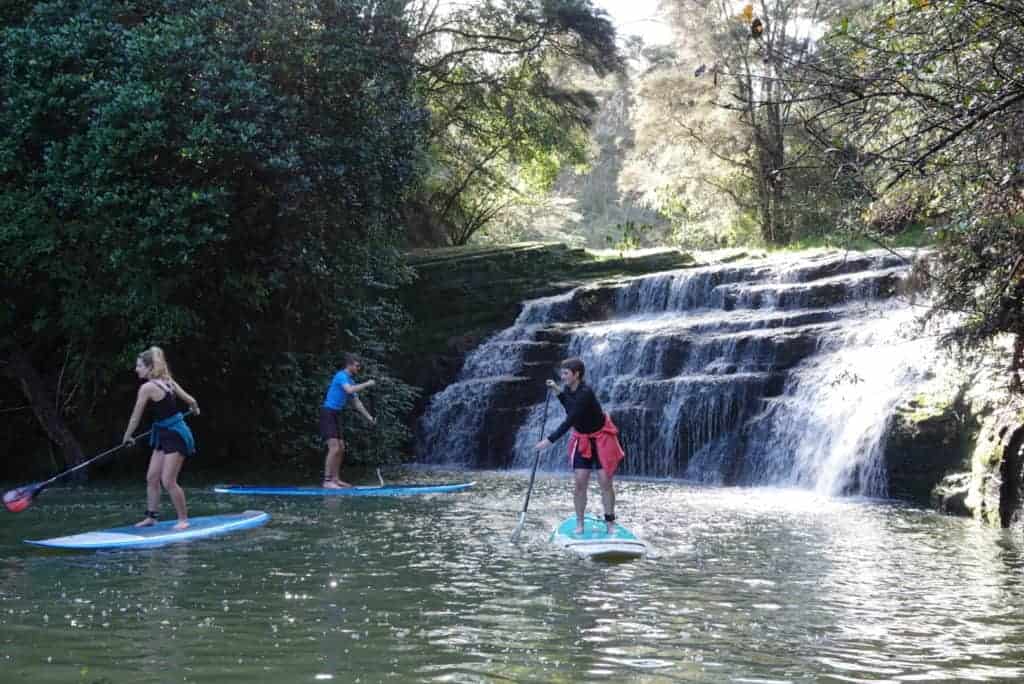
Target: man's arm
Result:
[352, 389]
[362, 409]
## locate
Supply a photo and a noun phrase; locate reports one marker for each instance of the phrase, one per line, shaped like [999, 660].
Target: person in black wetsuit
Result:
[170, 438]
[594, 444]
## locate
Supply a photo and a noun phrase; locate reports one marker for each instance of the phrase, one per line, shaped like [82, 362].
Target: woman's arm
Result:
[186, 397]
[140, 404]
[575, 404]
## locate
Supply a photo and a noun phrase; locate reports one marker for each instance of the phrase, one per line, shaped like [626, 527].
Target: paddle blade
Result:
[19, 499]
[519, 527]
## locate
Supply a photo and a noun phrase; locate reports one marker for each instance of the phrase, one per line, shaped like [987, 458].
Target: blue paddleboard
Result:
[595, 542]
[156, 535]
[393, 490]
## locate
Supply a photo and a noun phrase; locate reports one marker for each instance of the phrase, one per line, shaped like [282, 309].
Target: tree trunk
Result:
[17, 365]
[1017, 364]
[765, 201]
[777, 181]
[770, 142]
[769, 188]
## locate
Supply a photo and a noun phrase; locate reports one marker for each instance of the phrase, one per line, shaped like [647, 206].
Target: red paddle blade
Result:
[18, 500]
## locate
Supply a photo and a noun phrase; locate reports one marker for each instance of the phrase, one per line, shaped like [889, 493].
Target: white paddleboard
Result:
[156, 535]
[595, 542]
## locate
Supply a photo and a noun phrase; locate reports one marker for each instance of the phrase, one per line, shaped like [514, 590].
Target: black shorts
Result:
[592, 463]
[330, 423]
[170, 442]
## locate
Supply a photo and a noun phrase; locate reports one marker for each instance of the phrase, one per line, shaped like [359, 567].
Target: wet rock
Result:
[924, 443]
[996, 488]
[962, 437]
[950, 495]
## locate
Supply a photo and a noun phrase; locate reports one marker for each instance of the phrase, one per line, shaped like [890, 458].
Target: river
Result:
[742, 585]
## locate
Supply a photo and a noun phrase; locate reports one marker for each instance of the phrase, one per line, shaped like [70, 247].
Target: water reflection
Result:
[756, 585]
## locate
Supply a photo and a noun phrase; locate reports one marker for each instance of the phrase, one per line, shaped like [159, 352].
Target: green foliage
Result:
[631, 236]
[920, 104]
[981, 276]
[748, 62]
[501, 125]
[13, 12]
[214, 179]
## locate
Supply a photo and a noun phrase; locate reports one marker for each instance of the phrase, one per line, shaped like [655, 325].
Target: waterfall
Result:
[783, 371]
[452, 430]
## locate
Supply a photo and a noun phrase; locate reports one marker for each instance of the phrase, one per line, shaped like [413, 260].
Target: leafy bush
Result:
[214, 179]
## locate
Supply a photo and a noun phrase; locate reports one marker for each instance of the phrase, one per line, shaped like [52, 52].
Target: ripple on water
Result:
[751, 585]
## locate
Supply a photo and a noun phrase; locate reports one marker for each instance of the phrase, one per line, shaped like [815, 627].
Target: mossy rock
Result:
[474, 292]
[925, 445]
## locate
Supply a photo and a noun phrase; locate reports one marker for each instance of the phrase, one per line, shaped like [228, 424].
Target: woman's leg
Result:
[169, 479]
[607, 498]
[156, 465]
[579, 496]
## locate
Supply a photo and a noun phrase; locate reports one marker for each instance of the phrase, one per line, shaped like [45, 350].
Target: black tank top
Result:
[166, 407]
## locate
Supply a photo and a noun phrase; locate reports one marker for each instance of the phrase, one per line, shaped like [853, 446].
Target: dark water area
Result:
[742, 585]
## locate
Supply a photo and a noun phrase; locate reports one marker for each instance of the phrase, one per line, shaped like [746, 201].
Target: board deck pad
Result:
[160, 534]
[595, 542]
[388, 490]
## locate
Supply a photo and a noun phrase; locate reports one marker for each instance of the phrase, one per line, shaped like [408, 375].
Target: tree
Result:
[750, 62]
[215, 179]
[501, 123]
[924, 102]
[14, 11]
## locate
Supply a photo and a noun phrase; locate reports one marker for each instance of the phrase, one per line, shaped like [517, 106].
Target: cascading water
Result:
[781, 372]
[454, 423]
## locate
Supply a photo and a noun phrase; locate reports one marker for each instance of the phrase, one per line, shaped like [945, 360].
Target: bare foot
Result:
[578, 530]
[336, 484]
[181, 525]
[146, 522]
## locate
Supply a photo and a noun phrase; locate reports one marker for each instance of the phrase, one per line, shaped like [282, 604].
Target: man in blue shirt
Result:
[341, 389]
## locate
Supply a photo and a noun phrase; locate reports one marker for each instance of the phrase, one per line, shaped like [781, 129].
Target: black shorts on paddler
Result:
[592, 463]
[330, 423]
[170, 442]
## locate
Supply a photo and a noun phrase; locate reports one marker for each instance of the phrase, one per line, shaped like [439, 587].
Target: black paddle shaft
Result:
[33, 489]
[536, 459]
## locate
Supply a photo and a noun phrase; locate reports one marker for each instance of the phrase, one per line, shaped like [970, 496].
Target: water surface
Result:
[742, 585]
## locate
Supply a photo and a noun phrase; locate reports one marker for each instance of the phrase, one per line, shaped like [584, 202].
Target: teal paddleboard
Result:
[156, 535]
[390, 490]
[595, 541]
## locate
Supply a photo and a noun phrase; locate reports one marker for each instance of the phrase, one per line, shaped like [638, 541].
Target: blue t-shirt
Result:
[336, 394]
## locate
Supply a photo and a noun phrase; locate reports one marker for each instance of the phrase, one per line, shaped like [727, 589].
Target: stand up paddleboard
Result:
[595, 542]
[156, 535]
[395, 490]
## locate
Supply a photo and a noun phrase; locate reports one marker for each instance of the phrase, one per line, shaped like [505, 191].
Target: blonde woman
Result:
[170, 438]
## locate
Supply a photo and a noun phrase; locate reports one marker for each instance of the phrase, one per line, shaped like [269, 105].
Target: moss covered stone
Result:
[925, 443]
[462, 295]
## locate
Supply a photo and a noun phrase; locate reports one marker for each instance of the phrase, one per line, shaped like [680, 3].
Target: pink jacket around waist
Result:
[609, 450]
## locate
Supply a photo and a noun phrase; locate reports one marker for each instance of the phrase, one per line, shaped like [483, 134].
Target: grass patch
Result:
[915, 236]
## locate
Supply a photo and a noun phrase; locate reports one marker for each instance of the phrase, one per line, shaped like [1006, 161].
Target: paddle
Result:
[17, 500]
[533, 473]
